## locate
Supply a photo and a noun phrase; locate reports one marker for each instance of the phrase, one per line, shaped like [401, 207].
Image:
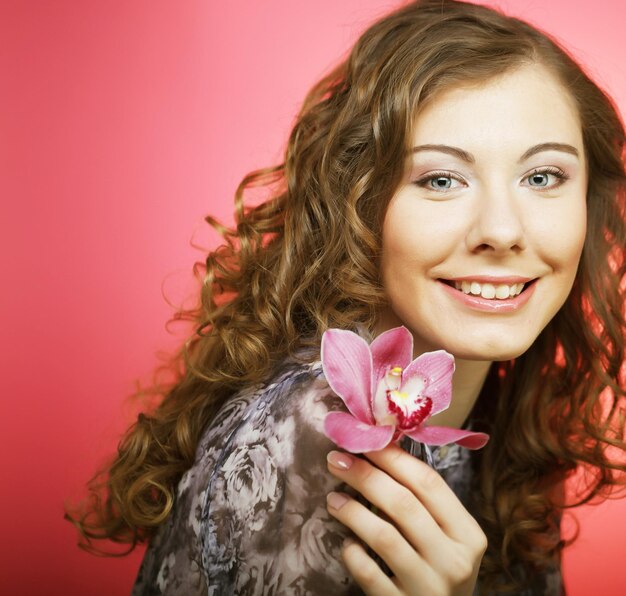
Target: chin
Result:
[496, 351]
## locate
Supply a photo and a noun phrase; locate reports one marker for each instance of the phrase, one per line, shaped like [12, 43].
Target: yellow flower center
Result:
[393, 378]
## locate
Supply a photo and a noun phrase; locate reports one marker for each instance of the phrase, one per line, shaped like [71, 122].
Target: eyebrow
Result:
[468, 157]
[563, 147]
[463, 155]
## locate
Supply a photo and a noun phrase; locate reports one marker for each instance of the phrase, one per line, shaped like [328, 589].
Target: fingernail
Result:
[340, 460]
[336, 500]
[347, 542]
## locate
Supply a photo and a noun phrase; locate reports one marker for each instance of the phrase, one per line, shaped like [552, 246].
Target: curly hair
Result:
[307, 258]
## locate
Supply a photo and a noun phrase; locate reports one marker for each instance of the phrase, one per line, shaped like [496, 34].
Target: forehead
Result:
[526, 105]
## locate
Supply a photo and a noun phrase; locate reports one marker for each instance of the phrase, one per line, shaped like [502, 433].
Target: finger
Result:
[398, 502]
[431, 489]
[383, 537]
[365, 570]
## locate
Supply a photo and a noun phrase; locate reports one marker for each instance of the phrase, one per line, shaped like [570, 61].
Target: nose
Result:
[497, 227]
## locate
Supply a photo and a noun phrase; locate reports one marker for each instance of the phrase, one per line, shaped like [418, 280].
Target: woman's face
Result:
[494, 197]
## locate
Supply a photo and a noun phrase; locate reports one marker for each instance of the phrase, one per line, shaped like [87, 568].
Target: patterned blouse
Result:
[250, 515]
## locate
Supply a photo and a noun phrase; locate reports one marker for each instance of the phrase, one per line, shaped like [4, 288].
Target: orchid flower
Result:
[387, 394]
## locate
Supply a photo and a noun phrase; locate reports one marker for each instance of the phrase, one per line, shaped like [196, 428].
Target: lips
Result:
[491, 303]
[498, 289]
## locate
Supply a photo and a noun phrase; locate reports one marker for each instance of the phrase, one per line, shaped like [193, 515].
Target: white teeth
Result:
[489, 291]
[502, 292]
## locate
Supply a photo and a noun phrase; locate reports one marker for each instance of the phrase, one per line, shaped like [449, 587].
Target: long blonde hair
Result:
[307, 259]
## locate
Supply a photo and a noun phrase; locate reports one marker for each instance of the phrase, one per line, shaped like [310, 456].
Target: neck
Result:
[469, 377]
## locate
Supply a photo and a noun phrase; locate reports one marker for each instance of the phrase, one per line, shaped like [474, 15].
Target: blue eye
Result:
[540, 179]
[438, 181]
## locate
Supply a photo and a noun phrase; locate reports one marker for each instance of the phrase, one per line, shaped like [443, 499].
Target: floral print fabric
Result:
[250, 514]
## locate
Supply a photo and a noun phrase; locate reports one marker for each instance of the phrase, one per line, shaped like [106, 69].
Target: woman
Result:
[458, 175]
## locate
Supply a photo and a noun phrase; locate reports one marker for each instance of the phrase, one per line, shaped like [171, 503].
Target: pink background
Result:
[121, 125]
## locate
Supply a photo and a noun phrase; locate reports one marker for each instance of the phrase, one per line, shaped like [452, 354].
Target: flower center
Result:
[409, 409]
[393, 378]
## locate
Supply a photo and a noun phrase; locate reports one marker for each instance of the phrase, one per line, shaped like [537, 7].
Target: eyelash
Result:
[558, 173]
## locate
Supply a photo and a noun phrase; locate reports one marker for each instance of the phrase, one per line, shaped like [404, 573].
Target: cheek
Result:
[420, 236]
[560, 241]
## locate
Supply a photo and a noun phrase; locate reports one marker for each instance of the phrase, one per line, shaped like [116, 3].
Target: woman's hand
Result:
[431, 543]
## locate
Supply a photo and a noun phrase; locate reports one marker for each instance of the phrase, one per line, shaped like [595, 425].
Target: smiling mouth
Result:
[489, 291]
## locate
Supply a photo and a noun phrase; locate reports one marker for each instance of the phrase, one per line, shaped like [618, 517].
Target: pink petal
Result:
[391, 348]
[441, 435]
[436, 369]
[357, 437]
[347, 364]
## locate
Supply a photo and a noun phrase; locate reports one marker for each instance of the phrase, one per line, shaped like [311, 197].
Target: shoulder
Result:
[261, 437]
[260, 412]
[266, 433]
[294, 399]
[265, 521]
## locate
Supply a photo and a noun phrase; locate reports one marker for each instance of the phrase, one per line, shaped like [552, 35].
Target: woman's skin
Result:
[512, 203]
